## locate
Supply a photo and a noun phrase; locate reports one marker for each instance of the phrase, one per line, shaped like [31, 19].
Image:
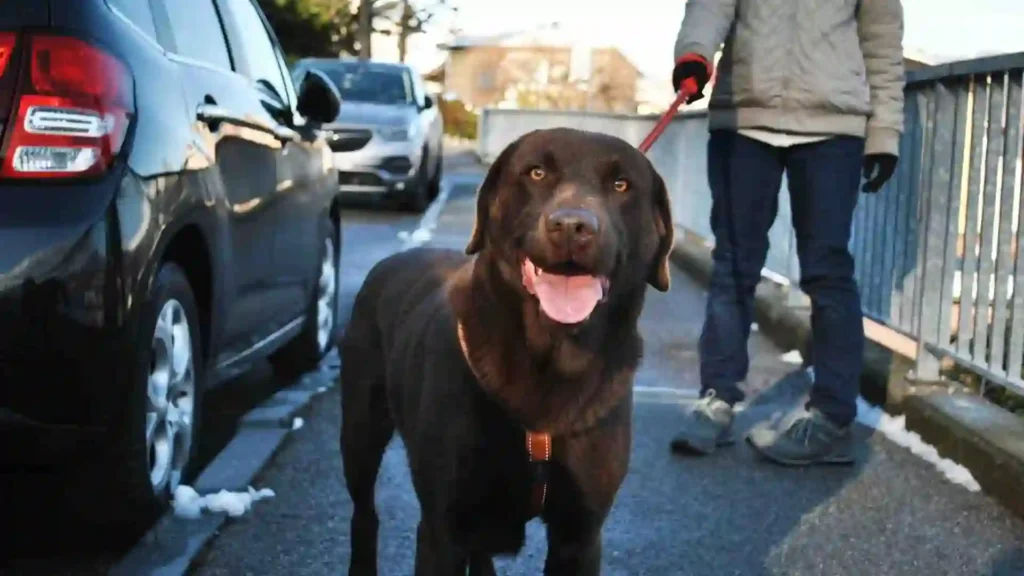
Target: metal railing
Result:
[936, 249]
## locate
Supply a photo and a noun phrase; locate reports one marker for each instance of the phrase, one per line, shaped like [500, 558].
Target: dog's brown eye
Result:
[537, 173]
[621, 185]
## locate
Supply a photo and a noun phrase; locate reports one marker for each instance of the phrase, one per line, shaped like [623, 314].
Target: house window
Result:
[485, 80]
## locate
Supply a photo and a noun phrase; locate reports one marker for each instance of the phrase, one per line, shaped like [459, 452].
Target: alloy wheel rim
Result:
[326, 290]
[170, 398]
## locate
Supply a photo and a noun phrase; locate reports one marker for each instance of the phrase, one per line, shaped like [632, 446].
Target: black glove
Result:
[882, 167]
[695, 70]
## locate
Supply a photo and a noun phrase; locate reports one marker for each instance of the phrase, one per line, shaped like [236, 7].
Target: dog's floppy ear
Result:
[486, 195]
[661, 275]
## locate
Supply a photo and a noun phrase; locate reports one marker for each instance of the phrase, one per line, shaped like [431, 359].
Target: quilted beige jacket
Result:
[803, 66]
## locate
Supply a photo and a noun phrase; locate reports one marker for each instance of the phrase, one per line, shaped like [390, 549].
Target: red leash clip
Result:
[688, 88]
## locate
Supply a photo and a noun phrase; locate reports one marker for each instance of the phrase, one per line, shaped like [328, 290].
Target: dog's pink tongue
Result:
[567, 299]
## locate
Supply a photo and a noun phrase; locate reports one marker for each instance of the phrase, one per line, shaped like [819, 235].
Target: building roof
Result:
[550, 35]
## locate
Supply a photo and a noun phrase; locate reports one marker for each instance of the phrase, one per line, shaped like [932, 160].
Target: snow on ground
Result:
[895, 429]
[418, 237]
[792, 357]
[187, 503]
[297, 423]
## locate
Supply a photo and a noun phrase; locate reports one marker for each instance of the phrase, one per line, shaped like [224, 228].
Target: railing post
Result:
[942, 170]
[934, 171]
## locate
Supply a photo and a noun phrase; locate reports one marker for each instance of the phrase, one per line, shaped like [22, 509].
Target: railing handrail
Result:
[973, 67]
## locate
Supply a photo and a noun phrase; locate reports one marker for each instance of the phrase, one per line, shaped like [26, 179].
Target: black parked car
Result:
[167, 214]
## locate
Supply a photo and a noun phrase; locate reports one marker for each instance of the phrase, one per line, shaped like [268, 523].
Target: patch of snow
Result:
[754, 327]
[895, 429]
[297, 423]
[187, 503]
[418, 236]
[321, 390]
[792, 357]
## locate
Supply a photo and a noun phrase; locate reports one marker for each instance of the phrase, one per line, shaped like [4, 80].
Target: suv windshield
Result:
[370, 84]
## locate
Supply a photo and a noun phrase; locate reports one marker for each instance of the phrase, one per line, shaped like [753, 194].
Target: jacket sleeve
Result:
[880, 27]
[705, 25]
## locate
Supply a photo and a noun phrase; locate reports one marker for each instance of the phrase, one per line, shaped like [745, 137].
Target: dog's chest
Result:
[496, 496]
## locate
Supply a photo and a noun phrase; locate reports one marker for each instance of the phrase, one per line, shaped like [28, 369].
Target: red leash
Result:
[686, 90]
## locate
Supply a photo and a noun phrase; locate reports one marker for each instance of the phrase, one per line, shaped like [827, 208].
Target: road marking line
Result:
[664, 395]
[428, 222]
[679, 392]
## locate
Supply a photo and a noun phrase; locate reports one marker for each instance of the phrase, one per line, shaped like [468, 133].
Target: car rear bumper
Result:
[60, 318]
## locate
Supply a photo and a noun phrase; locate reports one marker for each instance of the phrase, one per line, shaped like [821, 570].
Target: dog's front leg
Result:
[436, 554]
[575, 551]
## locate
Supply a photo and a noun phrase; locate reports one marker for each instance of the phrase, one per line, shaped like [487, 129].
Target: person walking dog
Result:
[812, 89]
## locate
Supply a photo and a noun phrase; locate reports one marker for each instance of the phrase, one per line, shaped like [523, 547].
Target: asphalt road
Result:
[730, 514]
[892, 514]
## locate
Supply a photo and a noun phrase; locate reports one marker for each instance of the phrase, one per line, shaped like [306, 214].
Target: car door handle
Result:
[212, 114]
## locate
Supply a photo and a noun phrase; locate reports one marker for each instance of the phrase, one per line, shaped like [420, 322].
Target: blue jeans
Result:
[745, 176]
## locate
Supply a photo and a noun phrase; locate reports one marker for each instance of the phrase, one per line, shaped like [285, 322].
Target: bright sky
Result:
[645, 30]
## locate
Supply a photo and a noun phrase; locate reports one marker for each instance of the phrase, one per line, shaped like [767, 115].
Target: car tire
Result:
[320, 330]
[435, 181]
[419, 194]
[153, 448]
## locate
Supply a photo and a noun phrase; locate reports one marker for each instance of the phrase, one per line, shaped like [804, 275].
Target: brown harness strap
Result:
[538, 448]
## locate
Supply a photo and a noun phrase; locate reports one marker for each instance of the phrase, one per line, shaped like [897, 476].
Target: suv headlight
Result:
[395, 134]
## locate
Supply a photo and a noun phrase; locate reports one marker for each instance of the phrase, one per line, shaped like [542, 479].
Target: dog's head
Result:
[574, 219]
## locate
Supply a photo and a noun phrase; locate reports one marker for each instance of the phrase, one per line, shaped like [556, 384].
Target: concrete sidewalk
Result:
[892, 514]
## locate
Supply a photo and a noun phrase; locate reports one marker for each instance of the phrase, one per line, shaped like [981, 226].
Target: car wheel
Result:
[419, 194]
[153, 449]
[303, 353]
[435, 181]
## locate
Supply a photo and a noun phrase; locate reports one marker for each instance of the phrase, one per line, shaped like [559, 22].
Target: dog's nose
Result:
[572, 227]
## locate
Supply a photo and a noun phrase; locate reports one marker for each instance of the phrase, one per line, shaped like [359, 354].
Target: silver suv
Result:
[386, 141]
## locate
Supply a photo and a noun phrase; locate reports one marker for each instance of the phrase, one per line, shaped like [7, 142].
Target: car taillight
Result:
[74, 104]
[7, 40]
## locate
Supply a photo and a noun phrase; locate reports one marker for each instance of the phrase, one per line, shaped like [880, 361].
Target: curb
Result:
[172, 543]
[984, 438]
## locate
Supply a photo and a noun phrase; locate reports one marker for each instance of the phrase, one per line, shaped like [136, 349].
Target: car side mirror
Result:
[318, 99]
[428, 102]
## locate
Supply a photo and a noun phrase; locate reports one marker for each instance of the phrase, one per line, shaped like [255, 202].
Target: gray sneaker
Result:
[811, 439]
[706, 427]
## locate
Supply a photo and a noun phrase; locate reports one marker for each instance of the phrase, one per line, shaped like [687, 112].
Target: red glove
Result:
[691, 74]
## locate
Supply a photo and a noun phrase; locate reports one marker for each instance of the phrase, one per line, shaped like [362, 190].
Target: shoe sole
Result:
[828, 460]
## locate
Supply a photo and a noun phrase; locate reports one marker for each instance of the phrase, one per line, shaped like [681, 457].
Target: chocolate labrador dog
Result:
[508, 373]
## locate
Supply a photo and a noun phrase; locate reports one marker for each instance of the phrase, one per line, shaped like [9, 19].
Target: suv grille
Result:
[359, 179]
[348, 140]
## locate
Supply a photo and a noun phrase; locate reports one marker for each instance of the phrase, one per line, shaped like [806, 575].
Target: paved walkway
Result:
[892, 514]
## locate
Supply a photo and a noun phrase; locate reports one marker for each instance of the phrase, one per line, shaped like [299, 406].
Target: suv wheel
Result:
[320, 330]
[435, 181]
[153, 450]
[419, 194]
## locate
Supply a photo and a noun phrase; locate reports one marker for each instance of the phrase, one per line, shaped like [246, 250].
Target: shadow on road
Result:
[729, 513]
[43, 536]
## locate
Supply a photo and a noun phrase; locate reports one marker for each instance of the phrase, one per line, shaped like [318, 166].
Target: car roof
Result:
[347, 62]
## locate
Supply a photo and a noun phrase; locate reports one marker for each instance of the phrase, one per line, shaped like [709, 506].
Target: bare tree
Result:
[412, 18]
[365, 28]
